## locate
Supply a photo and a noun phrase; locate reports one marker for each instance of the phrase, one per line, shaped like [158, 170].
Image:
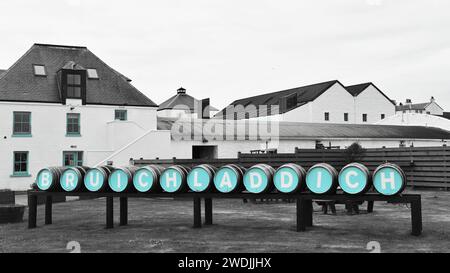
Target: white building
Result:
[207, 139]
[182, 105]
[62, 105]
[327, 102]
[430, 108]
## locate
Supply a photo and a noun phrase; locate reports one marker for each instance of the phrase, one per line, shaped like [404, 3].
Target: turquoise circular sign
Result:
[44, 180]
[69, 180]
[198, 180]
[143, 180]
[388, 181]
[319, 180]
[352, 180]
[255, 180]
[171, 180]
[94, 180]
[225, 180]
[286, 180]
[118, 181]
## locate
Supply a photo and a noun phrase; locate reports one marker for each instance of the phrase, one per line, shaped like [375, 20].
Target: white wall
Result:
[372, 103]
[434, 109]
[100, 136]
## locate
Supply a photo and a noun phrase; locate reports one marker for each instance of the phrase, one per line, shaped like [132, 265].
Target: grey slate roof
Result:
[19, 83]
[181, 99]
[304, 94]
[297, 130]
[415, 106]
[355, 90]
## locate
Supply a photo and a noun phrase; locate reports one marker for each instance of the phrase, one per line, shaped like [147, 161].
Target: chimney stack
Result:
[432, 99]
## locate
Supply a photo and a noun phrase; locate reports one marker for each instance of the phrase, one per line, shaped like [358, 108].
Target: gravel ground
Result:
[161, 225]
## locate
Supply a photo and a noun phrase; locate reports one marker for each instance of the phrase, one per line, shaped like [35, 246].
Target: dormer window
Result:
[73, 86]
[92, 73]
[39, 70]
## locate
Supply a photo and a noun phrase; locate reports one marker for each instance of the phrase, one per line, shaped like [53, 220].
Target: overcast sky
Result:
[227, 49]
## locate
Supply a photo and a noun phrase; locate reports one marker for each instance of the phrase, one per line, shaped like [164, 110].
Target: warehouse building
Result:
[327, 102]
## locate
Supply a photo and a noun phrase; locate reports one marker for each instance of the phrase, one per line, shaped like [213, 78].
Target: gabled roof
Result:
[19, 83]
[180, 101]
[300, 130]
[415, 106]
[357, 89]
[305, 94]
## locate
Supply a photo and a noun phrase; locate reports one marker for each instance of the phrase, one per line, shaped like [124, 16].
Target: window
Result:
[73, 124]
[21, 123]
[92, 73]
[39, 70]
[73, 86]
[345, 116]
[291, 101]
[383, 116]
[72, 159]
[120, 115]
[20, 164]
[327, 116]
[364, 117]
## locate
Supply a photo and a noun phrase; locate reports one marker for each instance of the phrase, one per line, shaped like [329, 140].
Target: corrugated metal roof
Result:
[20, 84]
[297, 130]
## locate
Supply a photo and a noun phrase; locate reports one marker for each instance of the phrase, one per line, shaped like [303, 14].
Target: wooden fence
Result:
[424, 167]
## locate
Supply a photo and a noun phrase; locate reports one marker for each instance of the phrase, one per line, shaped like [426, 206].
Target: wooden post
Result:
[416, 217]
[109, 212]
[308, 209]
[32, 210]
[208, 211]
[123, 211]
[48, 209]
[197, 213]
[300, 215]
[370, 206]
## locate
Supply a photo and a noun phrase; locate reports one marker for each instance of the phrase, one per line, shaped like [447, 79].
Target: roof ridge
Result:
[63, 46]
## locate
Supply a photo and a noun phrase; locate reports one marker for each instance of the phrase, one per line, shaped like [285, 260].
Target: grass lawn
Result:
[158, 225]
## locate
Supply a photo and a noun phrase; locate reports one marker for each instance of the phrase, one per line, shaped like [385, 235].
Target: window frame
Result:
[39, 75]
[21, 134]
[89, 76]
[346, 117]
[383, 116]
[24, 173]
[327, 116]
[73, 134]
[123, 111]
[76, 158]
[365, 118]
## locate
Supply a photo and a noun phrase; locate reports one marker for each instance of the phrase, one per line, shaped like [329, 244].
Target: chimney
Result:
[408, 101]
[432, 99]
[181, 91]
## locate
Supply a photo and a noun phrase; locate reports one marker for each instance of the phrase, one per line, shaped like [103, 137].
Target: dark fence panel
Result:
[424, 166]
